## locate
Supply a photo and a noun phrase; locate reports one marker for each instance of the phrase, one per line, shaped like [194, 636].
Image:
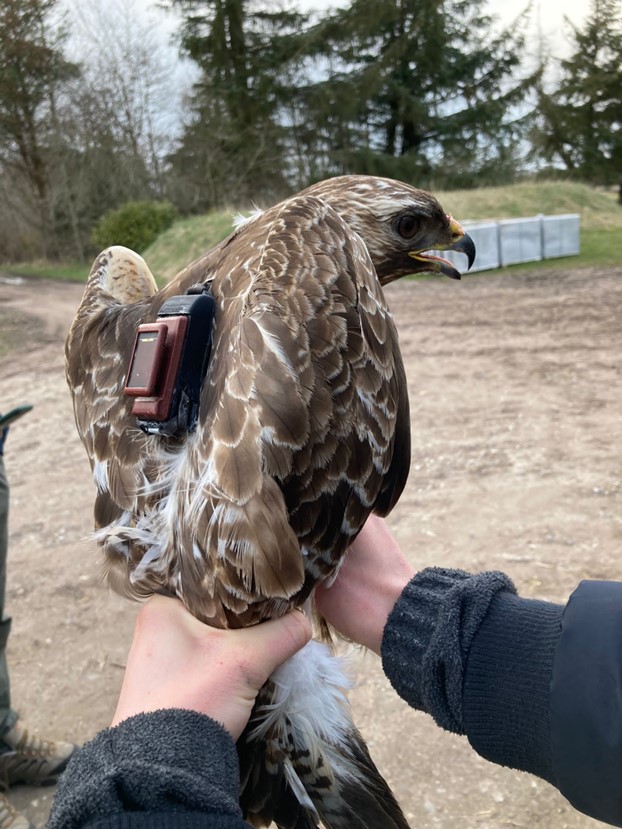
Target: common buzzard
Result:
[241, 501]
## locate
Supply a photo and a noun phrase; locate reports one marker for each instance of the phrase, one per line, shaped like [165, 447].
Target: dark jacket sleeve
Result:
[169, 769]
[586, 727]
[533, 685]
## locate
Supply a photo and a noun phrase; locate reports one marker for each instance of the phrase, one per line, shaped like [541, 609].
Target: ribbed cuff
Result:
[507, 684]
[428, 635]
[164, 762]
[161, 820]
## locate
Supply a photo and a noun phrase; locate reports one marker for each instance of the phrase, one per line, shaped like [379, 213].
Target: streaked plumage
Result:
[303, 431]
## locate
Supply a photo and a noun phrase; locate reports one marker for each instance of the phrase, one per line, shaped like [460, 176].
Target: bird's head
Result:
[398, 223]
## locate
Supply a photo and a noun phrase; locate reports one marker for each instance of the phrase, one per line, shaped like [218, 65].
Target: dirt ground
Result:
[516, 412]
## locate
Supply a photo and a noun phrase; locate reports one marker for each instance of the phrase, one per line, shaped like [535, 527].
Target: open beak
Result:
[461, 242]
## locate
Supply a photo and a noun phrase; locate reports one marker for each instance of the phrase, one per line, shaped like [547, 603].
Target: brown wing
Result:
[303, 425]
[359, 459]
[117, 298]
[297, 433]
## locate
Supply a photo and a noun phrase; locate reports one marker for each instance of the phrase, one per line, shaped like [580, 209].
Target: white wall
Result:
[512, 241]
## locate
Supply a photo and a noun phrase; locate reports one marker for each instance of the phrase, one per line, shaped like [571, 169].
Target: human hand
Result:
[175, 661]
[369, 583]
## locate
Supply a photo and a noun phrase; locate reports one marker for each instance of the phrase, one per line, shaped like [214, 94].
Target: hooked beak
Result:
[461, 243]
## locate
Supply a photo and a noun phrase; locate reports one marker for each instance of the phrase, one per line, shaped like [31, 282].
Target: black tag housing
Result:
[173, 372]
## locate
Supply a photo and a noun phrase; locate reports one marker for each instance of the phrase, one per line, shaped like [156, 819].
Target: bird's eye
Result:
[407, 226]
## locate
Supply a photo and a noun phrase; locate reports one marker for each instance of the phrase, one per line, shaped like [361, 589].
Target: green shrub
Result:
[136, 224]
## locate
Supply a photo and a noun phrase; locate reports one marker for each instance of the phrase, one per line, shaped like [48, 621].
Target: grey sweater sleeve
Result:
[478, 658]
[169, 769]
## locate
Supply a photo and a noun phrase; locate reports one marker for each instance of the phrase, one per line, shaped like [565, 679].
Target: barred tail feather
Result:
[302, 759]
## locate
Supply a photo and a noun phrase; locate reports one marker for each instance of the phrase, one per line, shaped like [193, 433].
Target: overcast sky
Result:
[546, 17]
[547, 20]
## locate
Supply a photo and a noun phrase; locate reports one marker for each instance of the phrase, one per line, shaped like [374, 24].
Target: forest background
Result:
[274, 96]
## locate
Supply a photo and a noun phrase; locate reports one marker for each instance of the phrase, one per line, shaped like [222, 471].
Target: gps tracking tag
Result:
[169, 362]
[154, 369]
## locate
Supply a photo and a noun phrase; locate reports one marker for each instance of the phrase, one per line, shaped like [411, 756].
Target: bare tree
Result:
[32, 68]
[133, 84]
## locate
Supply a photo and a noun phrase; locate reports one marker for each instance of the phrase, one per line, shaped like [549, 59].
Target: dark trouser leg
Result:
[7, 717]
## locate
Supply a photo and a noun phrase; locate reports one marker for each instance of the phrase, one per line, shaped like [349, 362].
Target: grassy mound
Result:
[601, 226]
[598, 209]
[185, 241]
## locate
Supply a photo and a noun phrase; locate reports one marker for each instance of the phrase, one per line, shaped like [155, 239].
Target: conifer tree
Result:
[234, 147]
[581, 120]
[418, 88]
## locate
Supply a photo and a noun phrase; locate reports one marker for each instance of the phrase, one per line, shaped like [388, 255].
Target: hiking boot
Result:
[25, 758]
[10, 818]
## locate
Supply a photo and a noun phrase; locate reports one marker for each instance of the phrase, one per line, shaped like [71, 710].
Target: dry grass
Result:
[185, 241]
[598, 208]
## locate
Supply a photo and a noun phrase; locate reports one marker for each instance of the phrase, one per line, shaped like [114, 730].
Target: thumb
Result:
[277, 640]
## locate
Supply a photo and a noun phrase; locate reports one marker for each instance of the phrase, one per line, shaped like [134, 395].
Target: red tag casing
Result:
[154, 365]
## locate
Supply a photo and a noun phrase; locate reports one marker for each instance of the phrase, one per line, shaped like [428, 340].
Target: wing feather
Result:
[97, 350]
[297, 428]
